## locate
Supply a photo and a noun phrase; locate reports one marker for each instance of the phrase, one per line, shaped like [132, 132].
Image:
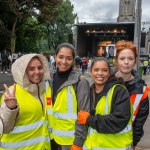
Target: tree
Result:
[28, 35]
[58, 29]
[13, 13]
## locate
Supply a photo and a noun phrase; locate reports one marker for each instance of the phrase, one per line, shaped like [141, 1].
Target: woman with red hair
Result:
[126, 58]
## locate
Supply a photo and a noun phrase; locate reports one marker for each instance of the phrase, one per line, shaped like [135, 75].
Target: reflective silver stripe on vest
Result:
[106, 106]
[24, 143]
[133, 118]
[65, 116]
[63, 133]
[49, 128]
[127, 129]
[70, 113]
[49, 111]
[127, 148]
[24, 128]
[1, 127]
[85, 148]
[70, 100]
[137, 101]
[46, 85]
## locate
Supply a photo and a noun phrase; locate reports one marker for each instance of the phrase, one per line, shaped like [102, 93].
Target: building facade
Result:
[126, 11]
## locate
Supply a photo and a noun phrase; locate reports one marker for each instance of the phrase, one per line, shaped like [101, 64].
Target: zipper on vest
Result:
[39, 97]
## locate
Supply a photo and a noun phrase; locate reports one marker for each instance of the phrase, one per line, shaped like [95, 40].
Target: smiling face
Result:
[35, 71]
[100, 72]
[126, 61]
[64, 59]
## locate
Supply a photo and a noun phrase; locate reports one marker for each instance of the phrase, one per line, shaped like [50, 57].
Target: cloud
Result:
[145, 10]
[96, 11]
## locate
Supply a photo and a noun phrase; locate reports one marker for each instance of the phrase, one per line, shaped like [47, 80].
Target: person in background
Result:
[32, 96]
[4, 59]
[148, 68]
[100, 52]
[70, 95]
[109, 121]
[9, 63]
[145, 65]
[84, 65]
[77, 63]
[89, 64]
[126, 58]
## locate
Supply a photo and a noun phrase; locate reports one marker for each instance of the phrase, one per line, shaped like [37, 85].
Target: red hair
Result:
[121, 45]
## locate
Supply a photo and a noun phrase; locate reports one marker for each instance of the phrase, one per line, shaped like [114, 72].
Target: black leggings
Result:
[55, 146]
[4, 66]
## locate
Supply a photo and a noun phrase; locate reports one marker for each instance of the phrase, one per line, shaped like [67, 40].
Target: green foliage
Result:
[15, 13]
[37, 25]
[27, 36]
[59, 28]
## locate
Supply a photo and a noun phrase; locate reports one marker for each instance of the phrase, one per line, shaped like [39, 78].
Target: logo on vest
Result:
[49, 100]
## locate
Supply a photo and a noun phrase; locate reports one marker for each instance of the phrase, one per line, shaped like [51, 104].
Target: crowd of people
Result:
[6, 60]
[61, 110]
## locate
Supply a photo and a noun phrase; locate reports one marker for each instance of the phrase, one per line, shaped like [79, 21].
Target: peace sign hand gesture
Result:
[9, 97]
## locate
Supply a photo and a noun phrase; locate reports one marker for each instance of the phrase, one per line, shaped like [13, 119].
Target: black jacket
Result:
[120, 113]
[135, 86]
[4, 56]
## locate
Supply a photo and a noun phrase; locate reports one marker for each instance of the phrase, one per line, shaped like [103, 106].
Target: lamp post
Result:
[137, 28]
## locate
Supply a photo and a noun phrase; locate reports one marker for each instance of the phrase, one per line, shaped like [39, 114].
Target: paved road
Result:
[144, 144]
[7, 79]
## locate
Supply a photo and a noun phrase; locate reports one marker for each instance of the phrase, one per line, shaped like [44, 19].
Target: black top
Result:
[58, 79]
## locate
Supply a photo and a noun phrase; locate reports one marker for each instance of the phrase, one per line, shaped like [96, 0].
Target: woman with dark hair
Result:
[70, 95]
[126, 58]
[27, 103]
[110, 126]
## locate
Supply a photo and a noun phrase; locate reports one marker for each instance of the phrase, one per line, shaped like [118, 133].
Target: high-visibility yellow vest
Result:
[1, 128]
[31, 130]
[65, 115]
[48, 104]
[113, 141]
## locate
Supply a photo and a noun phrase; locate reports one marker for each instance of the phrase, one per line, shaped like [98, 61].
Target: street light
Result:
[137, 29]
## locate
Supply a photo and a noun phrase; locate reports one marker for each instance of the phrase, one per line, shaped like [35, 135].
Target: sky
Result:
[96, 11]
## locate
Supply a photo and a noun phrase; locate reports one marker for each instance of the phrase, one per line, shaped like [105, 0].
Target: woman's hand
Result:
[9, 97]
